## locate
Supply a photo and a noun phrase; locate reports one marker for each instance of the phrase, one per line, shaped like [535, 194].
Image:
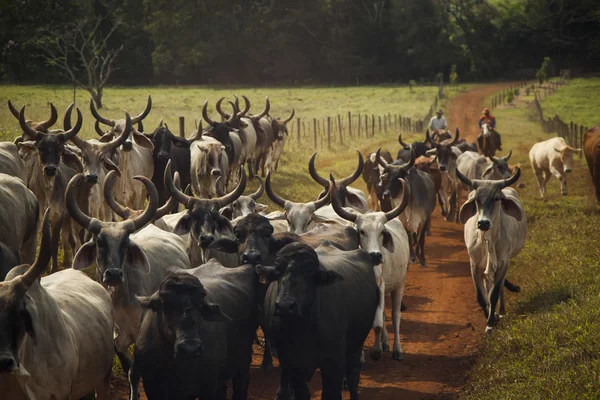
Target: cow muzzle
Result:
[189, 348]
[484, 225]
[206, 239]
[91, 178]
[376, 257]
[251, 257]
[163, 156]
[127, 146]
[50, 170]
[287, 308]
[7, 364]
[443, 167]
[568, 170]
[112, 276]
[215, 172]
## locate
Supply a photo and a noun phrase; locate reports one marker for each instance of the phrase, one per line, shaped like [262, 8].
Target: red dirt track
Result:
[443, 326]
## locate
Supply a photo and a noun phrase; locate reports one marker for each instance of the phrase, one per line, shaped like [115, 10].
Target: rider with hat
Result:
[489, 119]
[438, 123]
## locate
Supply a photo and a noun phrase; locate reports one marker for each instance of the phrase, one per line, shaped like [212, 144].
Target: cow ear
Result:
[184, 225]
[325, 278]
[85, 256]
[212, 313]
[259, 207]
[510, 207]
[488, 171]
[224, 226]
[71, 160]
[467, 210]
[225, 245]
[353, 200]
[107, 137]
[30, 317]
[27, 147]
[110, 165]
[143, 141]
[151, 302]
[388, 241]
[227, 212]
[136, 256]
[181, 142]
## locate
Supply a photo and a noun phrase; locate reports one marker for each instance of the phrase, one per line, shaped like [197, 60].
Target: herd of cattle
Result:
[189, 289]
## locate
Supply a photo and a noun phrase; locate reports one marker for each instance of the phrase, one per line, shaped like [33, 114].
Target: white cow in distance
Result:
[552, 157]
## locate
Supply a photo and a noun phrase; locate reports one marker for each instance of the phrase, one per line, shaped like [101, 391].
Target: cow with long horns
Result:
[245, 205]
[41, 126]
[280, 133]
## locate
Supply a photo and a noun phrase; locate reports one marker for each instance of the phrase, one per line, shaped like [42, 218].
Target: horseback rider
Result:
[490, 120]
[438, 124]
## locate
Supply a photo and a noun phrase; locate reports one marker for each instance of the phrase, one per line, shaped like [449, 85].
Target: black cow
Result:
[371, 175]
[318, 311]
[420, 148]
[197, 334]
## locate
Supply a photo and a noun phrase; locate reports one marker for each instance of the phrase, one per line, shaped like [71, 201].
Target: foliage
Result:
[541, 76]
[453, 75]
[544, 72]
[517, 92]
[527, 91]
[510, 96]
[412, 83]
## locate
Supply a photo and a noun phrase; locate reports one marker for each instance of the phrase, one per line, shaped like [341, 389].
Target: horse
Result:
[488, 140]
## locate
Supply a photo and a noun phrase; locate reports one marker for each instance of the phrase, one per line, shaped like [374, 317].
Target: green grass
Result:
[578, 102]
[548, 345]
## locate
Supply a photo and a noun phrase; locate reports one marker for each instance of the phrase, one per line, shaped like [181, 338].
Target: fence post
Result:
[315, 131]
[372, 124]
[359, 125]
[182, 127]
[329, 133]
[349, 124]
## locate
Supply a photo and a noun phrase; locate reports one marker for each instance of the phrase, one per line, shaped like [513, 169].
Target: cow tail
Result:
[513, 288]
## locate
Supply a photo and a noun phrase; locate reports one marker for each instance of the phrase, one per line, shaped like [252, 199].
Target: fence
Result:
[571, 132]
[539, 93]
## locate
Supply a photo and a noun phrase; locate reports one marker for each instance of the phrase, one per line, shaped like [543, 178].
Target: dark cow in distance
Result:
[371, 175]
[318, 312]
[591, 149]
[420, 148]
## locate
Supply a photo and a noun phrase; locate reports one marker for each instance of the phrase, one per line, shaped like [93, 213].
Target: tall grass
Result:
[578, 102]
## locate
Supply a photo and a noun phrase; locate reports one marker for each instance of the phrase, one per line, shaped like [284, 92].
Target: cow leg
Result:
[502, 308]
[411, 245]
[300, 388]
[66, 242]
[539, 176]
[353, 373]
[378, 323]
[283, 391]
[545, 179]
[332, 377]
[240, 383]
[125, 360]
[561, 178]
[494, 296]
[103, 390]
[56, 225]
[134, 382]
[441, 202]
[396, 316]
[421, 243]
[479, 288]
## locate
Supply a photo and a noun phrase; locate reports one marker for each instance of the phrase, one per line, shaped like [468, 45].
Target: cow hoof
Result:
[488, 330]
[375, 355]
[423, 265]
[385, 347]
[444, 213]
[345, 384]
[413, 259]
[397, 355]
[403, 307]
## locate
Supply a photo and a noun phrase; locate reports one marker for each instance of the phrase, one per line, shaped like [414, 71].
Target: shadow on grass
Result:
[545, 300]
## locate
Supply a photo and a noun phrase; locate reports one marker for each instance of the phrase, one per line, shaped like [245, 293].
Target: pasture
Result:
[578, 102]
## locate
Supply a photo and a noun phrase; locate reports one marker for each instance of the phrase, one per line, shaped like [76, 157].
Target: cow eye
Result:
[362, 232]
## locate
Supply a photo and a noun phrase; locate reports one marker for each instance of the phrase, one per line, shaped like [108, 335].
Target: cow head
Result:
[566, 157]
[51, 145]
[393, 173]
[420, 148]
[111, 247]
[499, 169]
[212, 159]
[182, 308]
[443, 151]
[234, 120]
[347, 198]
[18, 312]
[244, 205]
[299, 274]
[279, 126]
[162, 139]
[42, 126]
[487, 200]
[300, 216]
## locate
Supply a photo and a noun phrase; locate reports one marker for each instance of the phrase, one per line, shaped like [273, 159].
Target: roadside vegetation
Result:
[578, 102]
[548, 345]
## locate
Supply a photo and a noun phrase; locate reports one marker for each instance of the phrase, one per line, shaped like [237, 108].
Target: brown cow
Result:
[591, 149]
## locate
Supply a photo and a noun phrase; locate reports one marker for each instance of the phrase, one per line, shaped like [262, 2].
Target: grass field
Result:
[548, 346]
[578, 102]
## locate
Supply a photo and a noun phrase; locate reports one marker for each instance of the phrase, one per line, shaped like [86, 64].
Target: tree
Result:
[453, 75]
[81, 53]
[544, 71]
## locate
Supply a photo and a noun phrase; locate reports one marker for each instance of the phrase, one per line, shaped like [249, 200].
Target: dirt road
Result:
[443, 326]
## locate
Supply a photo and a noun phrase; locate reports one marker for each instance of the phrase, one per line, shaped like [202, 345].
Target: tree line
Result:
[304, 41]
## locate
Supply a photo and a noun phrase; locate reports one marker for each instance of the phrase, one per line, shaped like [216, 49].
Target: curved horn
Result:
[410, 162]
[99, 117]
[98, 129]
[71, 202]
[219, 110]
[219, 191]
[323, 201]
[290, 118]
[313, 172]
[13, 110]
[118, 141]
[335, 202]
[349, 179]
[261, 189]
[246, 109]
[233, 114]
[75, 130]
[205, 114]
[379, 160]
[27, 130]
[67, 118]
[274, 198]
[140, 221]
[176, 193]
[45, 125]
[390, 215]
[509, 181]
[402, 142]
[107, 190]
[265, 111]
[43, 258]
[236, 104]
[464, 179]
[171, 204]
[229, 198]
[507, 157]
[456, 136]
[140, 117]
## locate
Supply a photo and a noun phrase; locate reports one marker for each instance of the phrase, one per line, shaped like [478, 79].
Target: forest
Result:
[304, 42]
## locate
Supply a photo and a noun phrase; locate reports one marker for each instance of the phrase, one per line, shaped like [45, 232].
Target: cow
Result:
[383, 236]
[591, 149]
[135, 156]
[417, 215]
[475, 166]
[426, 164]
[495, 232]
[50, 172]
[264, 142]
[41, 126]
[552, 157]
[55, 332]
[209, 161]
[371, 175]
[280, 132]
[169, 147]
[19, 216]
[318, 312]
[201, 323]
[11, 163]
[420, 148]
[350, 197]
[129, 260]
[244, 205]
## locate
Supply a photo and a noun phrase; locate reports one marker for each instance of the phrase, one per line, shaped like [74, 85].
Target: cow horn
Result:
[335, 202]
[274, 198]
[507, 157]
[261, 189]
[28, 130]
[322, 201]
[404, 145]
[118, 141]
[456, 136]
[45, 125]
[99, 117]
[265, 111]
[68, 135]
[79, 216]
[171, 204]
[140, 127]
[233, 114]
[313, 172]
[107, 190]
[390, 215]
[140, 221]
[219, 191]
[379, 160]
[140, 117]
[41, 262]
[67, 117]
[509, 181]
[411, 162]
[220, 111]
[229, 198]
[349, 179]
[98, 129]
[236, 104]
[290, 118]
[246, 109]
[13, 110]
[205, 114]
[176, 193]
[464, 179]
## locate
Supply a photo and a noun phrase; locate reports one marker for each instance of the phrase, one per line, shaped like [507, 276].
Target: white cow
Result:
[56, 334]
[552, 157]
[384, 237]
[495, 232]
